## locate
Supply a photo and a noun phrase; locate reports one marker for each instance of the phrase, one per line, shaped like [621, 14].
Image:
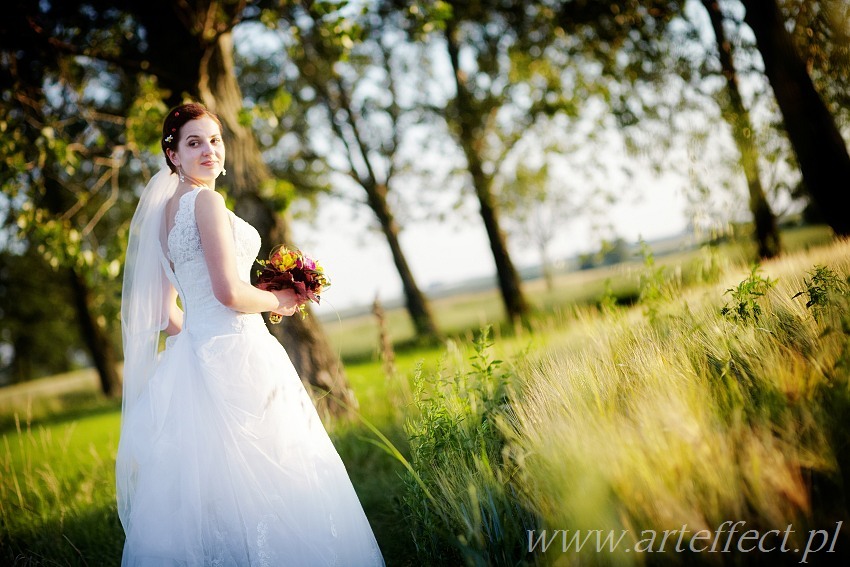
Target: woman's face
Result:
[200, 151]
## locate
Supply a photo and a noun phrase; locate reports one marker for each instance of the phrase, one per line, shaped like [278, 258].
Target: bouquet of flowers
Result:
[290, 268]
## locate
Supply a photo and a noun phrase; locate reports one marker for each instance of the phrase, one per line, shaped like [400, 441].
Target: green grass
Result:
[57, 494]
[610, 418]
[654, 420]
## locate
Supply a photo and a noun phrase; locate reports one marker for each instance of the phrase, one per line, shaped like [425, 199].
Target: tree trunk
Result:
[469, 126]
[247, 175]
[22, 363]
[738, 117]
[376, 197]
[97, 341]
[417, 305]
[818, 145]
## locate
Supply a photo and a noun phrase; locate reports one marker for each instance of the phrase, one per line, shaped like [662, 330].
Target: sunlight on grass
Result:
[694, 419]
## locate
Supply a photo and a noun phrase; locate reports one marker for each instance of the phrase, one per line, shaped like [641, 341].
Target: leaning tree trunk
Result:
[94, 335]
[818, 145]
[468, 126]
[247, 174]
[376, 197]
[417, 305]
[767, 233]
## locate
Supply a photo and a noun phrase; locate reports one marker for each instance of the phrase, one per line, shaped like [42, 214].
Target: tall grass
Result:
[461, 499]
[722, 401]
[697, 417]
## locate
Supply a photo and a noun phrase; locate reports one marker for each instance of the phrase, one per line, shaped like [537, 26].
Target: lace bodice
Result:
[204, 315]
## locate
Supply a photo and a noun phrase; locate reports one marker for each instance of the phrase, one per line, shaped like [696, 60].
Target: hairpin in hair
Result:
[168, 139]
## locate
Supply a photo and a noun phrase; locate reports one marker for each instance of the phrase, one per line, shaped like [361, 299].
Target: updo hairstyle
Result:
[174, 122]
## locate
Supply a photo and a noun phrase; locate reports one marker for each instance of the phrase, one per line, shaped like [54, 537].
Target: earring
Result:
[180, 169]
[223, 171]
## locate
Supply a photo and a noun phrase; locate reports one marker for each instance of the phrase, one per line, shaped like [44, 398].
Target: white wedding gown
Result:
[230, 464]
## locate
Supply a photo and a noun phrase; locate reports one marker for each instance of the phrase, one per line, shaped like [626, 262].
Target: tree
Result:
[35, 307]
[812, 131]
[60, 182]
[477, 38]
[354, 85]
[470, 112]
[516, 62]
[637, 45]
[821, 33]
[536, 206]
[738, 117]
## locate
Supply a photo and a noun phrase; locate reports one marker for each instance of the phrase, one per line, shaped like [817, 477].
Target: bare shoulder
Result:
[210, 208]
[209, 199]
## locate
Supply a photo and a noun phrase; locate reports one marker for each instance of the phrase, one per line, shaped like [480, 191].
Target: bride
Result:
[223, 460]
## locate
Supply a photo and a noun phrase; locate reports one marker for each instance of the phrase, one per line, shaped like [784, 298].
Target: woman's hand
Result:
[288, 302]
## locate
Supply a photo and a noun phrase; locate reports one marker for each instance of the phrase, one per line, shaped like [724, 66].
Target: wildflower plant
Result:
[460, 499]
[652, 282]
[745, 307]
[822, 290]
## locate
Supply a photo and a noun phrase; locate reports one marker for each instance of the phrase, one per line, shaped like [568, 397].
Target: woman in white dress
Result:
[223, 460]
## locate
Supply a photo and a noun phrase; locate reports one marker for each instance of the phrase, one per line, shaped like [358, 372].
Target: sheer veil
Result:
[143, 313]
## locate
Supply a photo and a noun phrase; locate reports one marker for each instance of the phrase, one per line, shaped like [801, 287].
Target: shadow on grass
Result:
[376, 477]
[66, 408]
[90, 538]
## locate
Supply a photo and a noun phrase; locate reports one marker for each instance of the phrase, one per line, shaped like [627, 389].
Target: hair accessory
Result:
[176, 113]
[168, 139]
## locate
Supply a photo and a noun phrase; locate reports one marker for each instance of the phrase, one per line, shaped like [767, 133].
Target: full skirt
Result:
[229, 465]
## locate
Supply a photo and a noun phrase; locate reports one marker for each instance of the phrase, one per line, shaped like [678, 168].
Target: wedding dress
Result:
[225, 458]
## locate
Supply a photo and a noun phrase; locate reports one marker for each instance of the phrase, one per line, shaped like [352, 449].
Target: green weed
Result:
[745, 307]
[651, 283]
[462, 502]
[822, 290]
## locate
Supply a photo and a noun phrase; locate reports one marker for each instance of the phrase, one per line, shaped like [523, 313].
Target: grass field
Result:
[651, 411]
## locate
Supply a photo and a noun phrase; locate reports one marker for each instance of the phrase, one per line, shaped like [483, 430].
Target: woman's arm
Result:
[217, 240]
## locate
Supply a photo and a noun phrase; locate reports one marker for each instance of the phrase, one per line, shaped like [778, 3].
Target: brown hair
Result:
[174, 121]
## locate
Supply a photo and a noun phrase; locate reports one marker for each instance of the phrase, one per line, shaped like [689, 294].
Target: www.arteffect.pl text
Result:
[729, 537]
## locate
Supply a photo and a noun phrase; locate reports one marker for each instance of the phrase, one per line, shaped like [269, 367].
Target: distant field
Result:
[356, 337]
